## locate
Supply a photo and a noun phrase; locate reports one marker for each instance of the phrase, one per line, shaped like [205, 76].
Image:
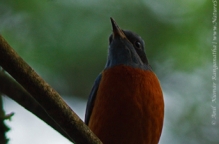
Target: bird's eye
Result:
[137, 44]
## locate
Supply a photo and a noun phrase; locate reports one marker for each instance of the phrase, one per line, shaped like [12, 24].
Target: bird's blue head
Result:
[126, 48]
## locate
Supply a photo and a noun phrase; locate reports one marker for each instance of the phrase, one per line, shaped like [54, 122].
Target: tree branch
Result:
[47, 97]
[15, 91]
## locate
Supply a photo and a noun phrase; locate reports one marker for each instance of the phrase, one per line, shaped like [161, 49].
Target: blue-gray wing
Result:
[91, 99]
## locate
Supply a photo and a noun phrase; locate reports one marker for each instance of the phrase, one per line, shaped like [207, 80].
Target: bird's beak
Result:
[116, 30]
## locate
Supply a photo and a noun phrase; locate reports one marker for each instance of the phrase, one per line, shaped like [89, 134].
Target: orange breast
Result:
[129, 107]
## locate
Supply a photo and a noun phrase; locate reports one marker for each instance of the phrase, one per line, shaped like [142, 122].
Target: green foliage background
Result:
[66, 43]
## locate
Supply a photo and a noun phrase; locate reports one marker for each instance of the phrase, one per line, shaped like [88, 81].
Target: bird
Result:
[126, 104]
